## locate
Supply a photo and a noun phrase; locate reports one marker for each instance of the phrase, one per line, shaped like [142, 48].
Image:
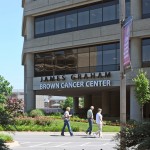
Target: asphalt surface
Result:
[53, 140]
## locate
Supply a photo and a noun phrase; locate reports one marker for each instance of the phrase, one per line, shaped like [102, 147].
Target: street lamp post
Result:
[122, 73]
[122, 77]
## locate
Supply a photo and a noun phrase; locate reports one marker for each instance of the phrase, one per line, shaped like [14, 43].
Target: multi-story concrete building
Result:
[71, 48]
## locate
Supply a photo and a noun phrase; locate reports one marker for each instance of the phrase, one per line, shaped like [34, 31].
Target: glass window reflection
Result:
[128, 10]
[59, 22]
[109, 13]
[146, 7]
[49, 24]
[71, 62]
[96, 15]
[100, 13]
[146, 52]
[71, 20]
[82, 60]
[39, 26]
[83, 17]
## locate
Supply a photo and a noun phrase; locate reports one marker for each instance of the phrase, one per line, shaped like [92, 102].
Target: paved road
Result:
[53, 140]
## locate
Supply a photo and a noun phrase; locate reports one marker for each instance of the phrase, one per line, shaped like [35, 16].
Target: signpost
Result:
[125, 64]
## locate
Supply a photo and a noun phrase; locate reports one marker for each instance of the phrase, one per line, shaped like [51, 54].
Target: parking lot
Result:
[53, 140]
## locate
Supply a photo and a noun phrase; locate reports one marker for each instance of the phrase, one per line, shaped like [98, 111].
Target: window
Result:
[49, 24]
[145, 8]
[39, 25]
[146, 52]
[128, 10]
[83, 59]
[59, 22]
[96, 58]
[71, 61]
[39, 65]
[49, 63]
[109, 12]
[109, 54]
[96, 14]
[118, 56]
[83, 17]
[71, 20]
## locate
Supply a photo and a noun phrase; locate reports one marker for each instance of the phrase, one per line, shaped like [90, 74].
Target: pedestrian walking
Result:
[99, 122]
[66, 118]
[90, 120]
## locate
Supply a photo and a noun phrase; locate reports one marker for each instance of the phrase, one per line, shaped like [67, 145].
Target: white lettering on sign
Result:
[63, 85]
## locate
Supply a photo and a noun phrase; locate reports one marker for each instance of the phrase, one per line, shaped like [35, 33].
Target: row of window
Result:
[99, 14]
[82, 60]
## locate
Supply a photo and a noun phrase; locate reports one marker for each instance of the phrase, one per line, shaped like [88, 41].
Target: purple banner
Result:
[126, 37]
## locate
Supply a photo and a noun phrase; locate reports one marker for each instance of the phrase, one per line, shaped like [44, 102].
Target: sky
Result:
[11, 42]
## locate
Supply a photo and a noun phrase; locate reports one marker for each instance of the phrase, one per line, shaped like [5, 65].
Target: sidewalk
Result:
[53, 134]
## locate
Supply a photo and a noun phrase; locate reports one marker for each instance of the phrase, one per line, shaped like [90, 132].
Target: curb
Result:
[12, 144]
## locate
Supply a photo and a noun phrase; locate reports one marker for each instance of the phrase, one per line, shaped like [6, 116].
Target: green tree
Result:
[6, 118]
[142, 89]
[5, 90]
[67, 103]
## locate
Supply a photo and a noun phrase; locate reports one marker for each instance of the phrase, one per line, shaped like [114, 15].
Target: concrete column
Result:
[136, 9]
[105, 102]
[28, 90]
[76, 104]
[135, 112]
[136, 49]
[30, 28]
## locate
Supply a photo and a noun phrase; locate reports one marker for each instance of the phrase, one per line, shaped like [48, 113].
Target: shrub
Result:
[136, 135]
[75, 129]
[36, 113]
[43, 121]
[24, 121]
[56, 114]
[6, 138]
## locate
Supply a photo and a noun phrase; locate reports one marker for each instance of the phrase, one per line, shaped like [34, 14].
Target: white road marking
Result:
[24, 142]
[85, 144]
[62, 144]
[106, 143]
[40, 144]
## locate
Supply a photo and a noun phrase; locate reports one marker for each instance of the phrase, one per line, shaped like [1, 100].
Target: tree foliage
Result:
[5, 89]
[6, 114]
[6, 117]
[14, 106]
[67, 103]
[142, 88]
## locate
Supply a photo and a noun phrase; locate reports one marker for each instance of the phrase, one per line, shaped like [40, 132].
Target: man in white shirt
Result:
[99, 122]
[90, 120]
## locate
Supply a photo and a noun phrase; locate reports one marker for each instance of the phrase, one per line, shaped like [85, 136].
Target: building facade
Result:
[72, 48]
